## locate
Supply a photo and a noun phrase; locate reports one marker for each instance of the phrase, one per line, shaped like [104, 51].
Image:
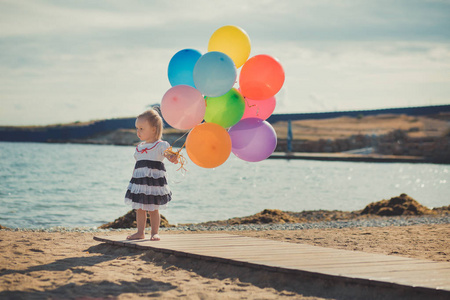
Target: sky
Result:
[75, 60]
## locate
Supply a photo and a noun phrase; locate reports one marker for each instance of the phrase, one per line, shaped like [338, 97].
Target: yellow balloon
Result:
[233, 41]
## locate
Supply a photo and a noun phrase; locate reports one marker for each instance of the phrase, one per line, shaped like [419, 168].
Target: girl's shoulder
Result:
[164, 143]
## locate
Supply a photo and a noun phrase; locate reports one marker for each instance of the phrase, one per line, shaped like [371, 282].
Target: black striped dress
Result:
[148, 189]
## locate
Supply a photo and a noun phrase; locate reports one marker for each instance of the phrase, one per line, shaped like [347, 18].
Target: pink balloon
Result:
[260, 109]
[183, 107]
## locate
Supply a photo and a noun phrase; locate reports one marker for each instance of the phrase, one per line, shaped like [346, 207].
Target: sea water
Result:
[75, 185]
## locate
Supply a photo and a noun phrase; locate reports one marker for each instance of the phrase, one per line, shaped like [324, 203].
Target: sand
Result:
[71, 265]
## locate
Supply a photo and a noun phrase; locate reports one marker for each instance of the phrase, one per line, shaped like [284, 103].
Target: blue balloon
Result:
[181, 67]
[214, 74]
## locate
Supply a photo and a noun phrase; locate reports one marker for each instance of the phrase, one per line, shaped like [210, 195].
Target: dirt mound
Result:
[397, 206]
[265, 217]
[275, 216]
[129, 221]
[444, 210]
[324, 215]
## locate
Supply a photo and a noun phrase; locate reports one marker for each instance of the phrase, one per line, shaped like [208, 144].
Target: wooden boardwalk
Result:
[369, 269]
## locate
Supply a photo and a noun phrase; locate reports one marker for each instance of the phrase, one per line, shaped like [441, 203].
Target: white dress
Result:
[148, 189]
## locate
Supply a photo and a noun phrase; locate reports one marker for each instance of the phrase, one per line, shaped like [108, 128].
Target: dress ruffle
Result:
[161, 181]
[148, 172]
[148, 189]
[146, 207]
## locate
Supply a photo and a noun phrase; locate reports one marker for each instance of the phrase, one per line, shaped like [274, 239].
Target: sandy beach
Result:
[71, 265]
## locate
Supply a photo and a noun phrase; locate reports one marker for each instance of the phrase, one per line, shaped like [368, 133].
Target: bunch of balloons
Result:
[203, 90]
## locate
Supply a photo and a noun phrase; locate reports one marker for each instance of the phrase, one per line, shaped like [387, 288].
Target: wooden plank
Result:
[292, 257]
[359, 270]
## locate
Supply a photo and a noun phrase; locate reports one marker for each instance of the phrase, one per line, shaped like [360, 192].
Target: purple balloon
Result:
[253, 139]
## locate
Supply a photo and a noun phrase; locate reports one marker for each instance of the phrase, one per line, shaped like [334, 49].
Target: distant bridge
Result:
[81, 131]
[410, 111]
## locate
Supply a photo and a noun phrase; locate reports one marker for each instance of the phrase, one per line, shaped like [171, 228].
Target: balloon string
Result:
[180, 158]
[181, 138]
[250, 106]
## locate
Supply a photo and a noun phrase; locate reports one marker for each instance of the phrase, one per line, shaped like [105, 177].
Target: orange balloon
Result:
[262, 76]
[208, 145]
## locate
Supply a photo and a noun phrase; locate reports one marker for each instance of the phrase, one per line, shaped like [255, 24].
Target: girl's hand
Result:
[173, 158]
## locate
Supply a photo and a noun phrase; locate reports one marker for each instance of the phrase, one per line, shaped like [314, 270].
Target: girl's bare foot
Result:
[155, 237]
[136, 236]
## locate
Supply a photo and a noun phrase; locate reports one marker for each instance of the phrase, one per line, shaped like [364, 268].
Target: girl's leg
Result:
[155, 220]
[141, 220]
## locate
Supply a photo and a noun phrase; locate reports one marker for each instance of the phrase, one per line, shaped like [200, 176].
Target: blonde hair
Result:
[155, 120]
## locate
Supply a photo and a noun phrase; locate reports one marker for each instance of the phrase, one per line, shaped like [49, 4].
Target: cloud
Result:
[288, 20]
[109, 83]
[25, 18]
[100, 59]
[366, 75]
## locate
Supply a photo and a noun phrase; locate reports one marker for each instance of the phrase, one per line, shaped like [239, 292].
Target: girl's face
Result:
[145, 131]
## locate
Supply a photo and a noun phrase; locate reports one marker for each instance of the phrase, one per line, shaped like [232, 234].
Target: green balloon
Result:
[225, 110]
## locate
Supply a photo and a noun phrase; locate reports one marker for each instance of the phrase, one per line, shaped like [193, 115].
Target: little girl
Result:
[148, 189]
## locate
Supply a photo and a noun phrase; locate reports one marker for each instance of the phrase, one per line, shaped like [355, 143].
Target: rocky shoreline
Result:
[399, 210]
[368, 222]
[356, 223]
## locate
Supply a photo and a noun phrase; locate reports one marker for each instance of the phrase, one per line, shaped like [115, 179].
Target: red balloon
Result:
[262, 76]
